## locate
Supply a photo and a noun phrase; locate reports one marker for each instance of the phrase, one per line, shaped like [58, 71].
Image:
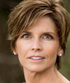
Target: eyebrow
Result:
[44, 33]
[27, 32]
[49, 33]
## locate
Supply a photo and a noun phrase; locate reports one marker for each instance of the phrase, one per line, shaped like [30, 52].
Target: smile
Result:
[36, 58]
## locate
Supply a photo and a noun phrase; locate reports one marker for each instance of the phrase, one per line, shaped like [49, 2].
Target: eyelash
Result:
[48, 35]
[25, 35]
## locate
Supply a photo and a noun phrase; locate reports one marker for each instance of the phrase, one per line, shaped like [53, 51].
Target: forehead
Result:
[44, 23]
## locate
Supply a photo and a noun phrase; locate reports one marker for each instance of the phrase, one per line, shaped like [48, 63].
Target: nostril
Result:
[37, 49]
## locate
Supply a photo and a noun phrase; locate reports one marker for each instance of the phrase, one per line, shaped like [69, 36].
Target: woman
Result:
[38, 30]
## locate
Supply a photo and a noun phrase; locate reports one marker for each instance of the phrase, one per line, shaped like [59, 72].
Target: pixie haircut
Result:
[28, 12]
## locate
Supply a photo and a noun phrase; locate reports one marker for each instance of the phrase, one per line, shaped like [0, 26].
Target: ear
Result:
[14, 51]
[60, 51]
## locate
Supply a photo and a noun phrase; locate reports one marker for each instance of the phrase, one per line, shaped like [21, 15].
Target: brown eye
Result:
[47, 37]
[26, 36]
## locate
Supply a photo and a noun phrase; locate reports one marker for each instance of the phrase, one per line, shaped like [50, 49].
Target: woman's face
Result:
[38, 47]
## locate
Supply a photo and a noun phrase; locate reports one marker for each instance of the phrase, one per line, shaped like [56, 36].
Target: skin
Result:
[41, 40]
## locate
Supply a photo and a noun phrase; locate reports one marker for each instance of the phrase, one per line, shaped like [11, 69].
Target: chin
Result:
[35, 69]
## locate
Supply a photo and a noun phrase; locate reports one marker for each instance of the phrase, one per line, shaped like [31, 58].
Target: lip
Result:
[36, 60]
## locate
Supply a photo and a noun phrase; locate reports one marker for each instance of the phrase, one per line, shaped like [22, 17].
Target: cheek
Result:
[51, 55]
[21, 47]
[51, 47]
[22, 50]
[51, 50]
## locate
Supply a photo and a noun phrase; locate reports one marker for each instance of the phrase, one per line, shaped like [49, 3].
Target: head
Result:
[28, 12]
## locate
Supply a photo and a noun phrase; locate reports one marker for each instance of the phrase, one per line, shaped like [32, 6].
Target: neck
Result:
[46, 76]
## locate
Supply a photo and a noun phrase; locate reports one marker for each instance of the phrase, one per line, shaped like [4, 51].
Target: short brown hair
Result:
[27, 13]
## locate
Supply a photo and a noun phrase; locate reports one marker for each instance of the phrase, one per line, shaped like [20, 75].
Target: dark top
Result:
[25, 82]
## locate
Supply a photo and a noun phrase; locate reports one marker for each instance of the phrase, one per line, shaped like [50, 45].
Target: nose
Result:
[36, 46]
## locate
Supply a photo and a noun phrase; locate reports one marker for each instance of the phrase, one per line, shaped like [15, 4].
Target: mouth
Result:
[36, 58]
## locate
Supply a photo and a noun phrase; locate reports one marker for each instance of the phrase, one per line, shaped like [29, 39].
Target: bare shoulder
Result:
[62, 78]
